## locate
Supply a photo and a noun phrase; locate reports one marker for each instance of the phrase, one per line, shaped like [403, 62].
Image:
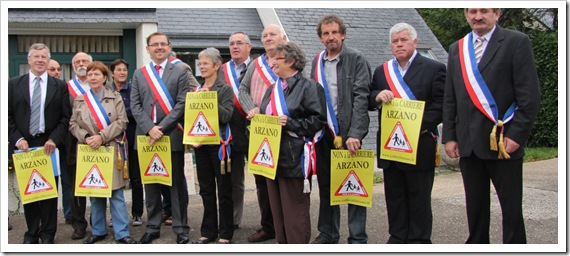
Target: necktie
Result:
[35, 110]
[157, 67]
[479, 48]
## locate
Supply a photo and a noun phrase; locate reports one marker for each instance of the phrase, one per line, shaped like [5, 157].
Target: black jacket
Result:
[306, 104]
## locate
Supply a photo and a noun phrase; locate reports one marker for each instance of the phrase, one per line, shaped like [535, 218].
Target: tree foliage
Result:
[541, 25]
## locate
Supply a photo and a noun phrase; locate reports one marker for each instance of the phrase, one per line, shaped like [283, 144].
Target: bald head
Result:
[54, 69]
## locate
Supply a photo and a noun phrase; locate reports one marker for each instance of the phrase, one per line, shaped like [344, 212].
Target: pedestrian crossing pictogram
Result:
[398, 141]
[156, 167]
[351, 186]
[37, 183]
[264, 155]
[201, 127]
[94, 179]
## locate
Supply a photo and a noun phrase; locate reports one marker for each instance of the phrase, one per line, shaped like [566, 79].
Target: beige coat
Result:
[82, 125]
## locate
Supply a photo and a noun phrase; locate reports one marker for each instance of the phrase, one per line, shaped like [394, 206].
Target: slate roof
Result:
[126, 18]
[367, 30]
[208, 27]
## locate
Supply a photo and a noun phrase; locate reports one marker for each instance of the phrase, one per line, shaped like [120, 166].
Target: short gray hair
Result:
[401, 27]
[38, 46]
[211, 53]
[246, 37]
[293, 52]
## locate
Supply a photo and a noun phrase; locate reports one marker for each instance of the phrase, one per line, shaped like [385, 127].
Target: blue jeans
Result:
[119, 215]
[329, 216]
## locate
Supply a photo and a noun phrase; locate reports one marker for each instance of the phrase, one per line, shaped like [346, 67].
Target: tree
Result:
[541, 25]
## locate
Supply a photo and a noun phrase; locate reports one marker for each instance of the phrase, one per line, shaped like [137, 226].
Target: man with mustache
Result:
[76, 86]
[499, 64]
[345, 75]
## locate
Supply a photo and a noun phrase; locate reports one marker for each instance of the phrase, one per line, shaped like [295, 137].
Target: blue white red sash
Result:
[309, 158]
[97, 111]
[75, 88]
[233, 80]
[477, 88]
[396, 82]
[174, 60]
[225, 151]
[100, 117]
[160, 92]
[332, 122]
[265, 70]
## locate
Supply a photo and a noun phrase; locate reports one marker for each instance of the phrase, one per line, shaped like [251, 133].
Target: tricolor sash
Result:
[225, 151]
[396, 82]
[233, 80]
[265, 70]
[481, 95]
[100, 117]
[309, 158]
[174, 60]
[160, 92]
[332, 122]
[75, 88]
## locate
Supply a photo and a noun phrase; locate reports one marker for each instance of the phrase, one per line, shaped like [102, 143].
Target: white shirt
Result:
[162, 66]
[487, 39]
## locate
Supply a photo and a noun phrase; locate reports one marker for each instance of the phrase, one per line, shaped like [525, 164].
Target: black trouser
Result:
[408, 203]
[506, 176]
[210, 178]
[78, 203]
[136, 185]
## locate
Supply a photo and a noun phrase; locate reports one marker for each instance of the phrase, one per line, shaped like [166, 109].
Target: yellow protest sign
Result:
[400, 132]
[264, 141]
[35, 175]
[155, 160]
[201, 124]
[352, 177]
[94, 171]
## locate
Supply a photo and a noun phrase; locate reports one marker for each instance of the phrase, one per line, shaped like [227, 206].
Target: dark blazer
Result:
[238, 123]
[426, 79]
[175, 78]
[57, 111]
[508, 68]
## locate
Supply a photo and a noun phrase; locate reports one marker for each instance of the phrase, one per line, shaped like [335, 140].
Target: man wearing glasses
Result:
[54, 70]
[155, 121]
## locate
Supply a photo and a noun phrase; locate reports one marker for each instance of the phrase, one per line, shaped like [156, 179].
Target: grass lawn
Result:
[537, 154]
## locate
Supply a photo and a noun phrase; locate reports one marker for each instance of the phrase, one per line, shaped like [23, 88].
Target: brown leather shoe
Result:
[260, 236]
[321, 240]
[78, 234]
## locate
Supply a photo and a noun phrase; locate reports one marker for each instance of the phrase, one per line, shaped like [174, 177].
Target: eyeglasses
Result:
[238, 43]
[53, 69]
[157, 44]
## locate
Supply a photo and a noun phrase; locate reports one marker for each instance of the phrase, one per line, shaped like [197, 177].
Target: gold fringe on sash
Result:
[225, 166]
[502, 150]
[437, 154]
[337, 142]
[493, 138]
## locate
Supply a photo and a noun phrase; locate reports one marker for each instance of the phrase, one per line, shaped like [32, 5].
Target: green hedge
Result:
[545, 130]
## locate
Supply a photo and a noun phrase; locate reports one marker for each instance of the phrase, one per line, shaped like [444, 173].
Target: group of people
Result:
[490, 84]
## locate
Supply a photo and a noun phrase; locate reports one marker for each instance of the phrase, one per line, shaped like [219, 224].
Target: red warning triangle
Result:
[94, 179]
[156, 167]
[398, 141]
[37, 183]
[351, 186]
[201, 127]
[264, 155]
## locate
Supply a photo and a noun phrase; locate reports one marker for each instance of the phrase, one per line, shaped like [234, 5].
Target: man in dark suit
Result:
[408, 186]
[49, 131]
[154, 121]
[240, 47]
[489, 130]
